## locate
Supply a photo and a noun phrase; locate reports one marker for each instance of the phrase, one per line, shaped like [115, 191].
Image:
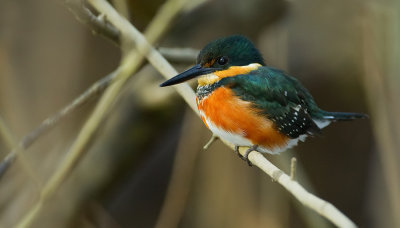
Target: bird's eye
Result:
[222, 60]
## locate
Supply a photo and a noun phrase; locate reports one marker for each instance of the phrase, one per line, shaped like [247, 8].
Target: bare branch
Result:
[323, 207]
[11, 142]
[98, 24]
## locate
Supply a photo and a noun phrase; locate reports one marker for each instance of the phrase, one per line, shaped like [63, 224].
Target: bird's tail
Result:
[343, 116]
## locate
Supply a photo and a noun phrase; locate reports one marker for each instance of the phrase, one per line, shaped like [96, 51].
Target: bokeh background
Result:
[146, 166]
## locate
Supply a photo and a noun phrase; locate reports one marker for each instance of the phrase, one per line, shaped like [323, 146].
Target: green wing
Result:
[279, 97]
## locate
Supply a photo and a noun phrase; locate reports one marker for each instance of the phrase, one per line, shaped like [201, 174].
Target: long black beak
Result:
[193, 72]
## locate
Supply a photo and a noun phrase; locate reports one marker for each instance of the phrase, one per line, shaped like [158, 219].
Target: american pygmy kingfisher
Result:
[247, 103]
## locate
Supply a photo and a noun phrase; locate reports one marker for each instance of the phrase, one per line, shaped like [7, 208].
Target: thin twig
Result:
[98, 24]
[293, 162]
[11, 142]
[211, 141]
[51, 121]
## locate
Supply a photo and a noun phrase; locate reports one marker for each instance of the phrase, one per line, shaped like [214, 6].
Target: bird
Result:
[249, 104]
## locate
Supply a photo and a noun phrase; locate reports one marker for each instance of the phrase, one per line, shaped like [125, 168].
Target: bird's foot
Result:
[237, 151]
[245, 157]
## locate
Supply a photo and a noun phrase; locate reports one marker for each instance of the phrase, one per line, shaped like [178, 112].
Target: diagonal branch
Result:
[317, 204]
[98, 24]
[11, 142]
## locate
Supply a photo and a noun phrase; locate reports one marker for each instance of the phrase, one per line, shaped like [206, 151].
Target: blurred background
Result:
[146, 166]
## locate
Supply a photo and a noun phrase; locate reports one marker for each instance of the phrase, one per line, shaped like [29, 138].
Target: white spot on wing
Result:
[322, 123]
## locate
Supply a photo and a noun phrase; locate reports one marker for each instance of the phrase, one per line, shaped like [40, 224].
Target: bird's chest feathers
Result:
[220, 107]
[221, 110]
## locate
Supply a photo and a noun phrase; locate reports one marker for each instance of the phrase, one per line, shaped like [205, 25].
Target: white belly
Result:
[238, 139]
[232, 137]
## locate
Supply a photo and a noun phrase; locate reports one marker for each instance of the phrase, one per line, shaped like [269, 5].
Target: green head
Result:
[219, 55]
[229, 51]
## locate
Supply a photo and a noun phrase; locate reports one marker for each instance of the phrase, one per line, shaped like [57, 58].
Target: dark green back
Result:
[280, 97]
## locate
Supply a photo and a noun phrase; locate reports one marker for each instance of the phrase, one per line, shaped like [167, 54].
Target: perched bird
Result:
[247, 103]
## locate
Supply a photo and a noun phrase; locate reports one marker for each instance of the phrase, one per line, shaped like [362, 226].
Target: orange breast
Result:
[228, 112]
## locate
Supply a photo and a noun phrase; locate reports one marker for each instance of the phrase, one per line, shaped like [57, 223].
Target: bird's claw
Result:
[245, 157]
